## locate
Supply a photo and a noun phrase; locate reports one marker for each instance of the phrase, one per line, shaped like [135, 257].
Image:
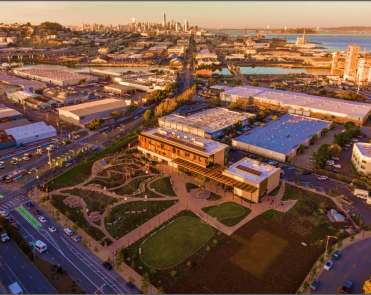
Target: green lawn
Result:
[175, 242]
[163, 186]
[83, 170]
[190, 186]
[229, 213]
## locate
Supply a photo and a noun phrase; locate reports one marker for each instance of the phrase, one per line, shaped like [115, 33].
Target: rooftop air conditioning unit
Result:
[163, 132]
[178, 136]
[185, 137]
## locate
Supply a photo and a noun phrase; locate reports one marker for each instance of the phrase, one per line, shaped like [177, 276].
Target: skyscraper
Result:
[164, 21]
[186, 25]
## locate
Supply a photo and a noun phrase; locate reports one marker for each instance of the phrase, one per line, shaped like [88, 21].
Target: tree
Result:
[322, 155]
[148, 115]
[82, 81]
[145, 284]
[323, 91]
[107, 78]
[333, 125]
[325, 130]
[119, 259]
[367, 286]
[116, 115]
[349, 125]
[62, 164]
[275, 118]
[255, 83]
[238, 125]
[347, 95]
[160, 290]
[234, 106]
[131, 279]
[79, 154]
[301, 148]
[75, 228]
[314, 138]
[131, 108]
[335, 150]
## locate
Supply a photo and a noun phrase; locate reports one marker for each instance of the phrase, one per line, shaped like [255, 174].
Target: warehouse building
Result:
[82, 114]
[25, 85]
[31, 133]
[57, 77]
[206, 123]
[261, 176]
[65, 96]
[280, 139]
[32, 100]
[6, 123]
[12, 114]
[324, 108]
[119, 89]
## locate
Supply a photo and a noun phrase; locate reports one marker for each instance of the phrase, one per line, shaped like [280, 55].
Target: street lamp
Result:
[100, 289]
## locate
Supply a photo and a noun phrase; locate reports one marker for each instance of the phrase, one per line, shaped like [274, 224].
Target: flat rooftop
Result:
[119, 87]
[55, 74]
[210, 120]
[302, 100]
[19, 81]
[191, 142]
[95, 107]
[8, 112]
[364, 148]
[284, 134]
[252, 170]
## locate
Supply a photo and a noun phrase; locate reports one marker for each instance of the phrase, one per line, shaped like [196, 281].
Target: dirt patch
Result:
[308, 225]
[259, 252]
[59, 278]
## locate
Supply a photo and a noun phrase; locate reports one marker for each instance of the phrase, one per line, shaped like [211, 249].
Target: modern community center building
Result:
[186, 145]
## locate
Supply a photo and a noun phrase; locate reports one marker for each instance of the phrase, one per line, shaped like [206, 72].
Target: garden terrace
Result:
[307, 216]
[82, 171]
[229, 213]
[175, 242]
[247, 262]
[162, 277]
[95, 201]
[76, 216]
[163, 186]
[133, 214]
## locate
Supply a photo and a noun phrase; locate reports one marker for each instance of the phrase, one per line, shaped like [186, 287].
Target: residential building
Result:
[361, 157]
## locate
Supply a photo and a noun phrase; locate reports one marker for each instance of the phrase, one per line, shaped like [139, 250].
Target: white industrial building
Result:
[361, 157]
[31, 133]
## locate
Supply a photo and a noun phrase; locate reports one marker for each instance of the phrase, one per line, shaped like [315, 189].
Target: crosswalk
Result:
[12, 195]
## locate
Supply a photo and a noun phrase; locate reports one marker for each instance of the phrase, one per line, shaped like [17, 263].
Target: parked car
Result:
[52, 229]
[37, 212]
[337, 166]
[336, 255]
[4, 213]
[29, 204]
[42, 219]
[68, 232]
[4, 238]
[233, 150]
[315, 285]
[291, 168]
[358, 136]
[10, 219]
[273, 163]
[328, 265]
[107, 265]
[68, 164]
[2, 165]
[355, 140]
[347, 287]
[347, 145]
[345, 148]
[307, 172]
[322, 177]
[364, 197]
[16, 226]
[335, 158]
[76, 238]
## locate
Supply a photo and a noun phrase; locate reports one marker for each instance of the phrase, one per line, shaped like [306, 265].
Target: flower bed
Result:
[76, 216]
[130, 221]
[163, 186]
[95, 201]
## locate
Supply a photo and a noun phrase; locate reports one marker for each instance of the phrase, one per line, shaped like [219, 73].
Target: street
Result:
[353, 265]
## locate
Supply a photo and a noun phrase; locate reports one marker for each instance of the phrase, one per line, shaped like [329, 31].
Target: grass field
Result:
[229, 213]
[163, 186]
[175, 242]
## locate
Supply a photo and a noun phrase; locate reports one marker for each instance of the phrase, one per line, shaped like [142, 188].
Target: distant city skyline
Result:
[204, 14]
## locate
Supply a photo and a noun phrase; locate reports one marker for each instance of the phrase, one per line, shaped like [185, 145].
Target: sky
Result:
[206, 14]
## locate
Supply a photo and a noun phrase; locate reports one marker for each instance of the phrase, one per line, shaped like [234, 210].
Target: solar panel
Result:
[249, 170]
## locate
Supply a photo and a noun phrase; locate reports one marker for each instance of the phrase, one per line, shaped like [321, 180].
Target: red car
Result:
[37, 212]
[358, 136]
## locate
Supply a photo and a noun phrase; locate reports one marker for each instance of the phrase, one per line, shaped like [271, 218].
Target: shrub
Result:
[207, 249]
[24, 247]
[173, 273]
[364, 179]
[31, 256]
[215, 241]
[189, 264]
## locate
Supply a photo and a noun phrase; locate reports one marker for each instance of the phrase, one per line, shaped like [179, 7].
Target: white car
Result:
[68, 164]
[291, 168]
[335, 158]
[42, 219]
[322, 177]
[273, 163]
[52, 229]
[364, 197]
[68, 231]
[136, 117]
[347, 145]
[4, 213]
[355, 140]
[337, 166]
[328, 265]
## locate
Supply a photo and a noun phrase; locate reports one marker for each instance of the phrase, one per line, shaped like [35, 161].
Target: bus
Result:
[40, 246]
[18, 174]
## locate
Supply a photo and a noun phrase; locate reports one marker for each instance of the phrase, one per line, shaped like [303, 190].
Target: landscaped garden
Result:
[214, 197]
[306, 217]
[126, 217]
[95, 201]
[190, 186]
[163, 186]
[229, 213]
[82, 171]
[131, 187]
[76, 216]
[175, 242]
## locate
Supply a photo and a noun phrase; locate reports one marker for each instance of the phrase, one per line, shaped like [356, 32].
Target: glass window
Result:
[363, 167]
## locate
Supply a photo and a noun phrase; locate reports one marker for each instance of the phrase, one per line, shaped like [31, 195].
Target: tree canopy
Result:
[51, 26]
[148, 115]
[349, 125]
[116, 115]
[322, 155]
[347, 95]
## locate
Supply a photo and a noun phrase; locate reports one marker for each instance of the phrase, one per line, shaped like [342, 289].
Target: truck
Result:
[15, 289]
